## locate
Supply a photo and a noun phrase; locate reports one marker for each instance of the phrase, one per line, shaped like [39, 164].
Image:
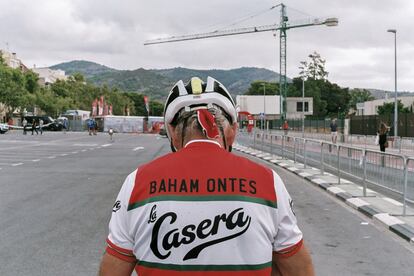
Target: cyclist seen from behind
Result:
[202, 210]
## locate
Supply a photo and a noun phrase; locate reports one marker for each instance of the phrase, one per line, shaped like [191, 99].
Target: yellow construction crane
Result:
[282, 27]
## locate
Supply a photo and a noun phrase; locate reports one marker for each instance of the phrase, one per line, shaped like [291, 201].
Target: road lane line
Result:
[51, 157]
[138, 148]
[83, 150]
[17, 164]
[106, 145]
[35, 160]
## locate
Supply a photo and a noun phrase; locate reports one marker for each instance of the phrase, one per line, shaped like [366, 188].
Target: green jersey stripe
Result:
[269, 203]
[236, 267]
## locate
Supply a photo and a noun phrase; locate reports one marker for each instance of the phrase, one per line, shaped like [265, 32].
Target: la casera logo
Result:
[233, 224]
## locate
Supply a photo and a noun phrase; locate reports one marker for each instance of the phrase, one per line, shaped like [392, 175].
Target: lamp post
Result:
[394, 31]
[303, 75]
[264, 105]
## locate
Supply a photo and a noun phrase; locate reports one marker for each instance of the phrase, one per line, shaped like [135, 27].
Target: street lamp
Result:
[303, 76]
[264, 105]
[394, 31]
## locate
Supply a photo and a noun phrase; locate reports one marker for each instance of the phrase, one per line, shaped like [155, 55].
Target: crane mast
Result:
[282, 27]
[282, 61]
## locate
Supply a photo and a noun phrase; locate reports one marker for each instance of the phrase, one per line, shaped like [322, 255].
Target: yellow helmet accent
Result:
[196, 85]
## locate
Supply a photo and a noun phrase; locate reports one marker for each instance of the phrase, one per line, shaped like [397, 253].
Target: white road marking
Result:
[74, 152]
[83, 150]
[51, 157]
[17, 164]
[138, 148]
[35, 160]
[85, 145]
[106, 145]
[63, 154]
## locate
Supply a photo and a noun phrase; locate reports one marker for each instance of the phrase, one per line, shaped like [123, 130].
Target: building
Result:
[11, 60]
[371, 107]
[270, 106]
[294, 108]
[48, 76]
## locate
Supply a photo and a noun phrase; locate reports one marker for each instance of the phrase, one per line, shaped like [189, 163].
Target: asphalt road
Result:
[57, 192]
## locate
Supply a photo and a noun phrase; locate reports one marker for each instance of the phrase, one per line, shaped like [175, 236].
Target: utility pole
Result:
[264, 106]
[303, 76]
[394, 31]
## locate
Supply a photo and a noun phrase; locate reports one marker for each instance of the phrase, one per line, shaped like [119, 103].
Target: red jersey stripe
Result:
[116, 254]
[290, 251]
[189, 173]
[119, 249]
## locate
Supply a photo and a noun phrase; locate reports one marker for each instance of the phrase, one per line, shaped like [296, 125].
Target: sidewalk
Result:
[375, 206]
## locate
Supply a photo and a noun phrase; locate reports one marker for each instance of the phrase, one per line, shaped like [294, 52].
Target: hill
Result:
[156, 83]
[381, 94]
[87, 68]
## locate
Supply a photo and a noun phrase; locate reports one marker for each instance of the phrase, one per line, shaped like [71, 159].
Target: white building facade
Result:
[371, 107]
[48, 76]
[270, 106]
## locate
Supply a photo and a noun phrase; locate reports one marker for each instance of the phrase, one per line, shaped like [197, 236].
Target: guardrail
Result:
[397, 143]
[390, 171]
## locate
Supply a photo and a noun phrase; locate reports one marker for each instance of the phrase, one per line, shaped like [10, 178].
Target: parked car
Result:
[48, 123]
[4, 128]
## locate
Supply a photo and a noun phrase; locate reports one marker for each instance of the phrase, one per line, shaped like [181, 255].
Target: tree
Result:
[156, 108]
[257, 88]
[12, 89]
[388, 108]
[359, 96]
[314, 68]
[31, 81]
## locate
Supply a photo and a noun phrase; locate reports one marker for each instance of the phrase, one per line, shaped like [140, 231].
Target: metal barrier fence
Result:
[393, 172]
[398, 143]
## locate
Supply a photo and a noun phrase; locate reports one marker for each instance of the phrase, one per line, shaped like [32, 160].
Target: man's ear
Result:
[173, 137]
[231, 134]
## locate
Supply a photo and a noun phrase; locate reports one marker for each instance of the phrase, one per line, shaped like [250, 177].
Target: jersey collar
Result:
[199, 141]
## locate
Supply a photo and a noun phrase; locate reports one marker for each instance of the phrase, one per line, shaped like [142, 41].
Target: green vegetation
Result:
[157, 83]
[388, 108]
[20, 91]
[359, 96]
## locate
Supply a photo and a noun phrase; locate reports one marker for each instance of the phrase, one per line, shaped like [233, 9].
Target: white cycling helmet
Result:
[197, 94]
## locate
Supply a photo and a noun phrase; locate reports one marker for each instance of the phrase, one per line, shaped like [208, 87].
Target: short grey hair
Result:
[186, 123]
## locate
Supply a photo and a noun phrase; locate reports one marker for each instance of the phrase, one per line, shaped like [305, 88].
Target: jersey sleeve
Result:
[288, 239]
[120, 242]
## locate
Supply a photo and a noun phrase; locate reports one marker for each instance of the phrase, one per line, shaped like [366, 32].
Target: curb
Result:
[393, 224]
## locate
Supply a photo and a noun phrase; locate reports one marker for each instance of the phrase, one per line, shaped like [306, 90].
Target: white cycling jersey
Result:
[203, 210]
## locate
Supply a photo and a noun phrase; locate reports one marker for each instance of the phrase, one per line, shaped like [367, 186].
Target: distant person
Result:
[24, 123]
[34, 127]
[90, 126]
[382, 133]
[285, 127]
[334, 131]
[41, 126]
[65, 125]
[111, 133]
[95, 127]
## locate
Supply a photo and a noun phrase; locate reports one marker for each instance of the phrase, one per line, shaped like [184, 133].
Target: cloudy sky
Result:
[359, 52]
